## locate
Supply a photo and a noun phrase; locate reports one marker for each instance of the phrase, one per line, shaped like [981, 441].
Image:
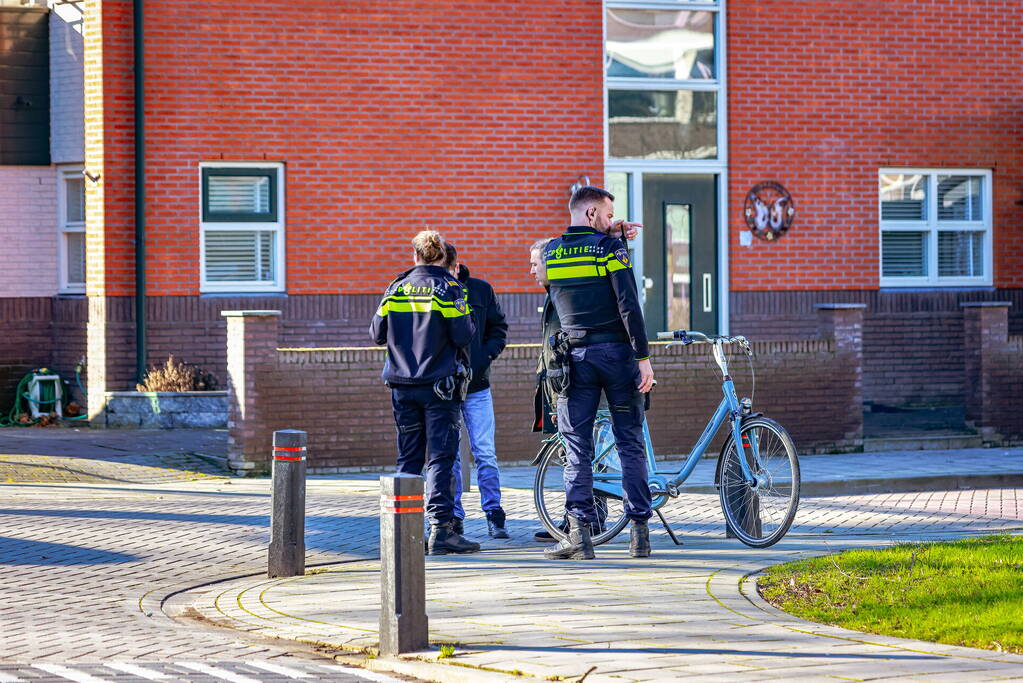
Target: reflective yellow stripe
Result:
[615, 264]
[576, 271]
[572, 259]
[421, 304]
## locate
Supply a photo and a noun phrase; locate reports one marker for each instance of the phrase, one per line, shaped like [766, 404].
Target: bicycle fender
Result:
[546, 446]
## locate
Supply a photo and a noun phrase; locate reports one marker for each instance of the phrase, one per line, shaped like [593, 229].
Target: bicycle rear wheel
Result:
[549, 497]
[760, 514]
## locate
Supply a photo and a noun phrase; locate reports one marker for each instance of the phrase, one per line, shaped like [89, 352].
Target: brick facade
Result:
[28, 231]
[844, 88]
[384, 130]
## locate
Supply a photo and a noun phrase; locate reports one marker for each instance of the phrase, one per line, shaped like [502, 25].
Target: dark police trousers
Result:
[610, 367]
[428, 435]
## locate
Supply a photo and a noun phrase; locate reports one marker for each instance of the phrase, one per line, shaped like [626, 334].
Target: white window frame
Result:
[278, 226]
[64, 173]
[719, 166]
[931, 226]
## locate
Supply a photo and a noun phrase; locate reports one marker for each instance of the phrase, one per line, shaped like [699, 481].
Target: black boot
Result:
[578, 545]
[458, 525]
[544, 536]
[639, 539]
[444, 541]
[495, 523]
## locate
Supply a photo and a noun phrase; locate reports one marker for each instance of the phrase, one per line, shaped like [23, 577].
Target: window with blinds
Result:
[242, 228]
[935, 227]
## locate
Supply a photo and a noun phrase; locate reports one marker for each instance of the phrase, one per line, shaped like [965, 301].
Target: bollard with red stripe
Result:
[403, 622]
[287, 518]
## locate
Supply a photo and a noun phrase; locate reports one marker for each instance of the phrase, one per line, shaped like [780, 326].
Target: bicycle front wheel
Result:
[549, 497]
[759, 514]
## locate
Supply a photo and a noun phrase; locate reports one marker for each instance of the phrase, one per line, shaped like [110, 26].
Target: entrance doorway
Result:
[680, 252]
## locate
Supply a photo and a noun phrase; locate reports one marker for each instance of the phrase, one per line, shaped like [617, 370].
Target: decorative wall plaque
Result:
[769, 210]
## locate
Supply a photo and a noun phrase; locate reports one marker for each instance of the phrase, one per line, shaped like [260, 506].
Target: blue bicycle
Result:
[757, 475]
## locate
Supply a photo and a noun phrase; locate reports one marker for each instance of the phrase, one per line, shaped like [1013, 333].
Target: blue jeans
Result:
[609, 367]
[478, 412]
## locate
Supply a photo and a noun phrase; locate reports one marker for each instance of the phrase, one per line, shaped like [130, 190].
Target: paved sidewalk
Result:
[689, 611]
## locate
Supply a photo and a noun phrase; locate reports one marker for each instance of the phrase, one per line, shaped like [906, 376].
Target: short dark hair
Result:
[450, 255]
[587, 194]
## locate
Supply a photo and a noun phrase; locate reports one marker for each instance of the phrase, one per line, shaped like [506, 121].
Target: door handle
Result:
[708, 293]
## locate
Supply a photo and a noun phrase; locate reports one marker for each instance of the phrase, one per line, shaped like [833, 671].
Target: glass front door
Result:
[679, 263]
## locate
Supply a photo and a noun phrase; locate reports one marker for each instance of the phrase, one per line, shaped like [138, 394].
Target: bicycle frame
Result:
[727, 409]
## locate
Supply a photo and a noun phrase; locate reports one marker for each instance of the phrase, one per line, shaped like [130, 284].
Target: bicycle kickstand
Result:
[667, 528]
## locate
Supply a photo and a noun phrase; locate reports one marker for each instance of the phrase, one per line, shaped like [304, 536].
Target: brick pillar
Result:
[985, 350]
[252, 338]
[843, 323]
[109, 200]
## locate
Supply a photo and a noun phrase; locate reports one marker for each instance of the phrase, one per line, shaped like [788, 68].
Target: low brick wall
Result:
[812, 387]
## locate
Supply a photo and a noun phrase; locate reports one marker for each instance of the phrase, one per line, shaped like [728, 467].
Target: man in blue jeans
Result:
[478, 408]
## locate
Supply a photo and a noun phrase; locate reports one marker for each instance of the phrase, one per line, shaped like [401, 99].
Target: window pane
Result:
[903, 197]
[75, 200]
[961, 254]
[239, 194]
[618, 185]
[659, 44]
[239, 256]
[904, 254]
[656, 124]
[74, 250]
[959, 198]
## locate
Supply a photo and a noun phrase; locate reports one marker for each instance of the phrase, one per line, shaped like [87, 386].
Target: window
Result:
[935, 227]
[663, 84]
[71, 222]
[242, 245]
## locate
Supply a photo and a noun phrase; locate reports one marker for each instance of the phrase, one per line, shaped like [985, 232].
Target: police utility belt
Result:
[454, 386]
[559, 369]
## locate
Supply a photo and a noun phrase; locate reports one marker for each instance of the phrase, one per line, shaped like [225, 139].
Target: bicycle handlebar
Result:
[686, 337]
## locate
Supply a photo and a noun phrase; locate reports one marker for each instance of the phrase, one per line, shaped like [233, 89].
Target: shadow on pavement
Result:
[19, 551]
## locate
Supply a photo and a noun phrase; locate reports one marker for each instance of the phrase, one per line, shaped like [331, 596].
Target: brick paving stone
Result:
[94, 565]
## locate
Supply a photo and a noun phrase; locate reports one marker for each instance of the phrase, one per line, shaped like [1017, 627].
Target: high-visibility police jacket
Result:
[593, 288]
[425, 321]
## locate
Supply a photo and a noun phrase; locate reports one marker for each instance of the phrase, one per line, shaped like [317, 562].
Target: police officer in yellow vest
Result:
[427, 325]
[593, 289]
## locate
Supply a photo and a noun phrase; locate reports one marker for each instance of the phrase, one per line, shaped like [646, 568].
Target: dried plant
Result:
[176, 376]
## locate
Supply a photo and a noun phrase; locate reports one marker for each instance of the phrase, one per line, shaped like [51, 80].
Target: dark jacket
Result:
[425, 321]
[491, 329]
[594, 289]
[544, 398]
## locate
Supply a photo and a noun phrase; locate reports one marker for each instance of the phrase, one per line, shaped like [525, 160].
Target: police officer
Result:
[593, 289]
[427, 324]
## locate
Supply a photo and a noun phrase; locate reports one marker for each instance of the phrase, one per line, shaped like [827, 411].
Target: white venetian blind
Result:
[903, 197]
[904, 254]
[960, 253]
[240, 255]
[239, 194]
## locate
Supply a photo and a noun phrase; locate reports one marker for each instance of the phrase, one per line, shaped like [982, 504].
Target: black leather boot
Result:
[444, 541]
[639, 539]
[578, 545]
[458, 525]
[495, 524]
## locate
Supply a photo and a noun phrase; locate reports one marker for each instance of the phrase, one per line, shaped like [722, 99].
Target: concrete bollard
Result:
[403, 621]
[287, 517]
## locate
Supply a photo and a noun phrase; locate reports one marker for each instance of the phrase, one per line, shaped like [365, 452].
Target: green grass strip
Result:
[967, 592]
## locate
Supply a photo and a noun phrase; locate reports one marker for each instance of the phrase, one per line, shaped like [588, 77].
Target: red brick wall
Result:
[821, 95]
[390, 117]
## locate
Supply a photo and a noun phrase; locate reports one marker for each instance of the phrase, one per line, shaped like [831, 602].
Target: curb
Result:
[851, 487]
